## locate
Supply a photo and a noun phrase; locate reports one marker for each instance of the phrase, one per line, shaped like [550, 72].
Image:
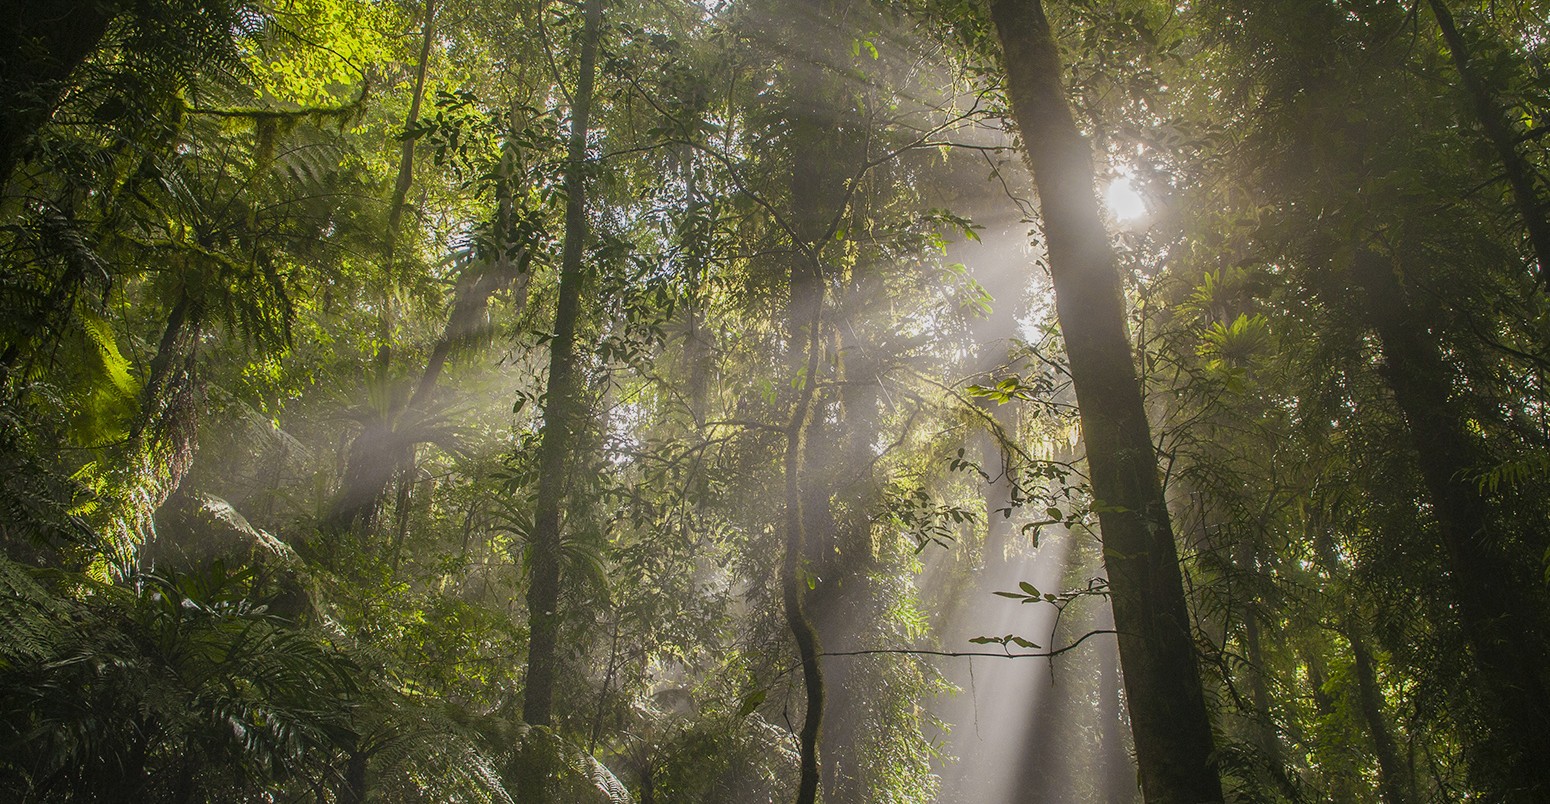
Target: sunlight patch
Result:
[1124, 201]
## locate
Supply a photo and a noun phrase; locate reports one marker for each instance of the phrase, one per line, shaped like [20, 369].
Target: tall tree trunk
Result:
[1262, 724]
[376, 453]
[1503, 620]
[562, 419]
[844, 603]
[807, 514]
[1498, 130]
[1162, 679]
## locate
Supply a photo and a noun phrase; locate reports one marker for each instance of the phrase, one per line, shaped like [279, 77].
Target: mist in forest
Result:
[753, 401]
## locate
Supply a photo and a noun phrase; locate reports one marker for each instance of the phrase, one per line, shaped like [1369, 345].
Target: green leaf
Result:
[115, 367]
[1101, 507]
[750, 703]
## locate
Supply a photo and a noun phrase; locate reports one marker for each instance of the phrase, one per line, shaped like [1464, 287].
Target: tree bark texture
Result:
[562, 419]
[1502, 619]
[1162, 679]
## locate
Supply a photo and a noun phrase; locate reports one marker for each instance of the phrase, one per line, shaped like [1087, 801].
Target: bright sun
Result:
[1124, 201]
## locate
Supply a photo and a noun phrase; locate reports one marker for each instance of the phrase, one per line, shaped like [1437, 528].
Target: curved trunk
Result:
[1162, 678]
[844, 606]
[792, 584]
[379, 452]
[807, 514]
[1395, 785]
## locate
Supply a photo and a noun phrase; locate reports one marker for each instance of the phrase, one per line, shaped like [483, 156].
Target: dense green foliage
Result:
[280, 446]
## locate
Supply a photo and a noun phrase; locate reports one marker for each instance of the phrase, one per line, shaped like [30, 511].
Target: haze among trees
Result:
[774, 401]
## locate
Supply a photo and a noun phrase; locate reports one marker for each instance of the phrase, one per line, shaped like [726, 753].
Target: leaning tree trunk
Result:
[406, 151]
[1498, 605]
[792, 584]
[41, 44]
[1392, 778]
[1162, 679]
[1498, 130]
[381, 452]
[562, 420]
[377, 453]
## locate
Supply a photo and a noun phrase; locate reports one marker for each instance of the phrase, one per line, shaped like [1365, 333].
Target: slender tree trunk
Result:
[1502, 619]
[1395, 782]
[467, 320]
[376, 454]
[807, 514]
[1499, 131]
[1322, 705]
[844, 604]
[380, 452]
[1263, 723]
[1162, 679]
[406, 153]
[1392, 777]
[562, 420]
[809, 40]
